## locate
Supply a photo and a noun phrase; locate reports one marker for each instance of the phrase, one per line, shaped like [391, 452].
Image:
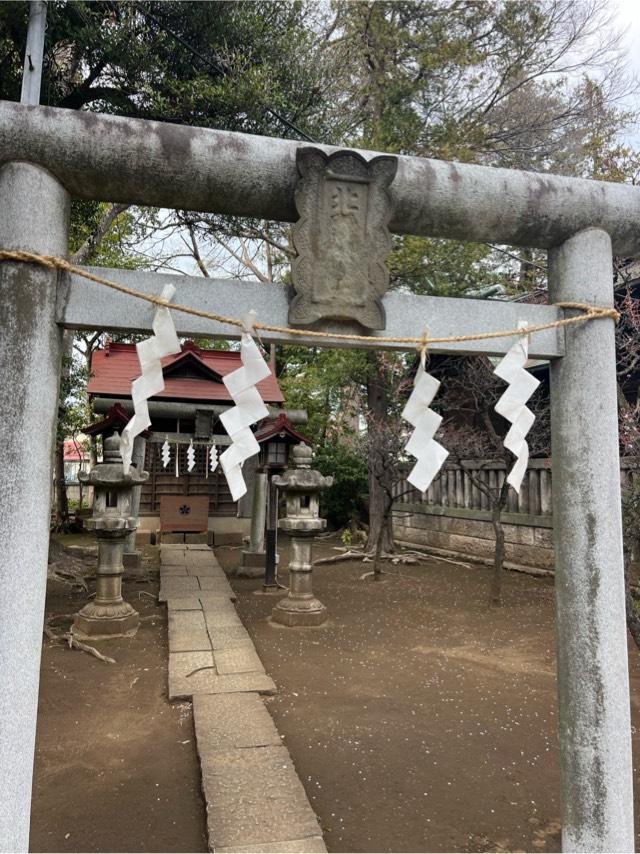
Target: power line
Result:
[220, 67]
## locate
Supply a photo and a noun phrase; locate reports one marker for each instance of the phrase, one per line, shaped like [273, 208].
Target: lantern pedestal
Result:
[302, 486]
[300, 607]
[108, 615]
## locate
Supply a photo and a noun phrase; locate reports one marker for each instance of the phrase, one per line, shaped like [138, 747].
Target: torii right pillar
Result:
[593, 678]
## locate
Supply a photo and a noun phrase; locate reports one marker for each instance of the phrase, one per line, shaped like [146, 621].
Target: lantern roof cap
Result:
[110, 472]
[302, 478]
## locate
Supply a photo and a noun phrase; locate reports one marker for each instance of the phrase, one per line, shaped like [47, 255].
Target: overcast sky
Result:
[628, 15]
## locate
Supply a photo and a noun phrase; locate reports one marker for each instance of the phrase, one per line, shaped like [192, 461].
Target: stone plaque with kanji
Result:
[342, 238]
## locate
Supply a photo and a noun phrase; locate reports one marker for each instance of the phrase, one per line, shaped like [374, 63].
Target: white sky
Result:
[628, 17]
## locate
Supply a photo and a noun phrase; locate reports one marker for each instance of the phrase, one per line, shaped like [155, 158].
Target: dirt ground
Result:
[418, 718]
[116, 767]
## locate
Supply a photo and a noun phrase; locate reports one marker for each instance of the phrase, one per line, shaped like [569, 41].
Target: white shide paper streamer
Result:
[512, 405]
[166, 453]
[249, 408]
[191, 456]
[164, 342]
[213, 458]
[430, 454]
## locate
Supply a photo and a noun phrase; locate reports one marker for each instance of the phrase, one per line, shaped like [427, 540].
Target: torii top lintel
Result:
[111, 158]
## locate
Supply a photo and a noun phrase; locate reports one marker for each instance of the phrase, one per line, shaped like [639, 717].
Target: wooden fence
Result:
[454, 488]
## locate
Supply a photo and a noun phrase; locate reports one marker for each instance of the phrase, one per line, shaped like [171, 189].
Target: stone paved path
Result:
[255, 800]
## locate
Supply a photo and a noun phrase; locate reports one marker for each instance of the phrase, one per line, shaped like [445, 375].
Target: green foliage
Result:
[345, 501]
[72, 413]
[441, 267]
[328, 384]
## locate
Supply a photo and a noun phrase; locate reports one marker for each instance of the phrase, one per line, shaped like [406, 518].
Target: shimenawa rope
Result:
[591, 312]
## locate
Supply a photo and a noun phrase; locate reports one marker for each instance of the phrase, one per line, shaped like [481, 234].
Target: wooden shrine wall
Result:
[164, 481]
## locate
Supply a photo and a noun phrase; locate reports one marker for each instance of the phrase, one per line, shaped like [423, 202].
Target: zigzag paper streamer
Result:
[512, 405]
[249, 408]
[164, 342]
[430, 454]
[166, 453]
[213, 458]
[191, 456]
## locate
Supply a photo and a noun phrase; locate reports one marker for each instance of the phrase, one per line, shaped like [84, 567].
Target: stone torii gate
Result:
[49, 155]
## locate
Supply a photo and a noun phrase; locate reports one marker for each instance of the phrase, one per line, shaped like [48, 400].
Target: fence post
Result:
[34, 213]
[593, 681]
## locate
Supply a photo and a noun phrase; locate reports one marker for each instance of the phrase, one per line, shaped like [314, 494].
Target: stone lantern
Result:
[108, 615]
[302, 486]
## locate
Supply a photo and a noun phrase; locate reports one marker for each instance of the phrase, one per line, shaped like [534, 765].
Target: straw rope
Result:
[54, 262]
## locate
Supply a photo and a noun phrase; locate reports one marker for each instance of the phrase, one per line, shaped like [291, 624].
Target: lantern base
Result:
[291, 612]
[106, 621]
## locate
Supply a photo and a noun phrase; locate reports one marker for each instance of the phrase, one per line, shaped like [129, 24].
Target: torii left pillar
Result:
[34, 216]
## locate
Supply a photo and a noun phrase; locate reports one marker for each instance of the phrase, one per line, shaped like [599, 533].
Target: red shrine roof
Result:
[74, 451]
[194, 374]
[115, 419]
[273, 426]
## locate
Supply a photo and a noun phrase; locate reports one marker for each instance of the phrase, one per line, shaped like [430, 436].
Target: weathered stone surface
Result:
[184, 603]
[218, 618]
[197, 547]
[188, 632]
[172, 539]
[196, 602]
[168, 571]
[227, 721]
[237, 659]
[205, 681]
[310, 845]
[235, 784]
[218, 584]
[172, 559]
[205, 571]
[178, 586]
[223, 636]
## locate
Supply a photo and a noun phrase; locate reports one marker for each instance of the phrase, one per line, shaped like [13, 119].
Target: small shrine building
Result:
[186, 413]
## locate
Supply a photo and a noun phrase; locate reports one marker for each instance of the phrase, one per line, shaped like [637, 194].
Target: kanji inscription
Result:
[342, 238]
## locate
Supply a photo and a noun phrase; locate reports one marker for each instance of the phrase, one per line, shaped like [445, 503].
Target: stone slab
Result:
[201, 556]
[175, 559]
[188, 632]
[216, 618]
[210, 583]
[204, 571]
[227, 721]
[197, 547]
[172, 539]
[206, 681]
[196, 603]
[168, 571]
[223, 636]
[178, 586]
[239, 814]
[237, 659]
[311, 845]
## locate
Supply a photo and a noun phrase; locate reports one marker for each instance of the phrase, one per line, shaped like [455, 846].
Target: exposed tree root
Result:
[70, 639]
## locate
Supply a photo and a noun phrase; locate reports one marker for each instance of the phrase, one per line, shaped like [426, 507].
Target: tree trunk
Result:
[62, 503]
[386, 521]
[380, 527]
[498, 561]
